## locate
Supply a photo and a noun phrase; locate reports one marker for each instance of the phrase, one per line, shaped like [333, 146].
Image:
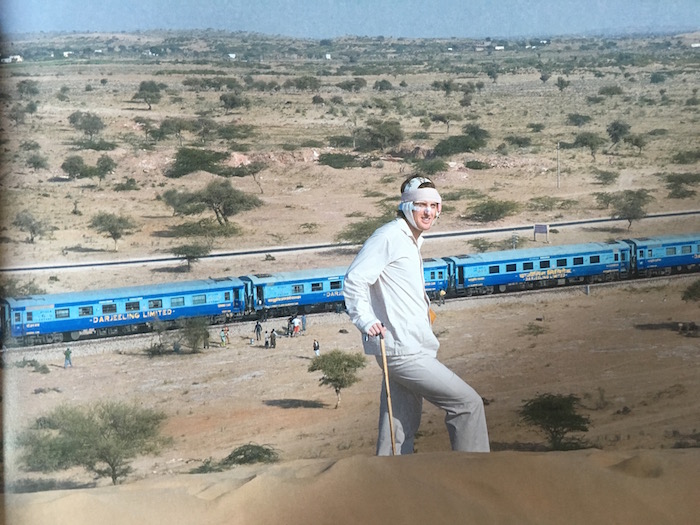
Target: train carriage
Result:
[666, 254]
[502, 271]
[436, 276]
[295, 292]
[71, 316]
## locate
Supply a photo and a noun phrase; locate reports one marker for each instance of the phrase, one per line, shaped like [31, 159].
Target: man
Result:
[67, 361]
[385, 297]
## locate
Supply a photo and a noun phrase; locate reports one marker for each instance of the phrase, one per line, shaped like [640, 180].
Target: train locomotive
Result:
[100, 313]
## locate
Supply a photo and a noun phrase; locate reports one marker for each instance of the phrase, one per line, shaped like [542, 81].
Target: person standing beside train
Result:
[67, 361]
[385, 297]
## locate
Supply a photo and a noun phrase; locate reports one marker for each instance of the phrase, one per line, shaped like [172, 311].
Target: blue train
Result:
[101, 313]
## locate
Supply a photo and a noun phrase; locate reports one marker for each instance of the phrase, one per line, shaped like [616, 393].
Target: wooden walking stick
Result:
[388, 395]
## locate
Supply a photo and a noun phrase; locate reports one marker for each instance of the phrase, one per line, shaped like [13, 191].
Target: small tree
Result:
[74, 166]
[589, 140]
[234, 101]
[103, 438]
[339, 370]
[562, 84]
[149, 92]
[26, 222]
[617, 131]
[224, 200]
[88, 123]
[195, 331]
[105, 165]
[556, 416]
[630, 205]
[191, 253]
[113, 226]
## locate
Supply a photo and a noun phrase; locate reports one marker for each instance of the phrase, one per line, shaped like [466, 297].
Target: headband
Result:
[421, 194]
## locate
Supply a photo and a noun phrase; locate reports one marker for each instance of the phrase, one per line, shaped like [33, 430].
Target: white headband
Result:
[421, 194]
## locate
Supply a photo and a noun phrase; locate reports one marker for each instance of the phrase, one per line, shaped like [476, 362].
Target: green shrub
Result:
[189, 160]
[128, 185]
[609, 91]
[477, 165]
[686, 157]
[521, 142]
[338, 161]
[430, 166]
[606, 177]
[491, 210]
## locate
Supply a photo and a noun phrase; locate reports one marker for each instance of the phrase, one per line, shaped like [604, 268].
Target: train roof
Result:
[313, 274]
[547, 252]
[667, 239]
[127, 292]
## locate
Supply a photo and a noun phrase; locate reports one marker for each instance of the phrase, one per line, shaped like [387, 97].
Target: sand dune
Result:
[582, 487]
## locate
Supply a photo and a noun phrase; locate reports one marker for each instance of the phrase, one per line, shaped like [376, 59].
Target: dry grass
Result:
[308, 203]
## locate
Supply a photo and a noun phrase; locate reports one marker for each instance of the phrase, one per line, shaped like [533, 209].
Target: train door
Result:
[4, 321]
[259, 296]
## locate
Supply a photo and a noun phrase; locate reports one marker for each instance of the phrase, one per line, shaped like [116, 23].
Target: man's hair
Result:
[426, 184]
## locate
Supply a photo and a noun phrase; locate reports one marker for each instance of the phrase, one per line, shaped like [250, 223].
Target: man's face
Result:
[424, 214]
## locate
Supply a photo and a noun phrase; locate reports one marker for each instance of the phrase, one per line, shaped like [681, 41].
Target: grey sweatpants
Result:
[416, 377]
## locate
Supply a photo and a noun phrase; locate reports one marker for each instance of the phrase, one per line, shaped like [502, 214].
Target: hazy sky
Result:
[331, 18]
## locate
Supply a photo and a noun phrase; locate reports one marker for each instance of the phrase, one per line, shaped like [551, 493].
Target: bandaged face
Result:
[420, 206]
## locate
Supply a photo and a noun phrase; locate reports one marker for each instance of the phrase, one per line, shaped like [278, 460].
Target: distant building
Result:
[11, 59]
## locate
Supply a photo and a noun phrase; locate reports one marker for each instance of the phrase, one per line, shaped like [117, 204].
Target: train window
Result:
[686, 249]
[155, 303]
[30, 317]
[641, 254]
[134, 305]
[440, 276]
[578, 261]
[671, 250]
[510, 267]
[432, 276]
[227, 296]
[528, 266]
[109, 308]
[494, 269]
[316, 287]
[199, 299]
[650, 253]
[336, 285]
[544, 264]
[298, 288]
[595, 259]
[177, 301]
[18, 317]
[84, 311]
[62, 313]
[561, 262]
[616, 257]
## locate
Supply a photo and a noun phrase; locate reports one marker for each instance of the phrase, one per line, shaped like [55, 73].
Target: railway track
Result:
[325, 246]
[139, 342]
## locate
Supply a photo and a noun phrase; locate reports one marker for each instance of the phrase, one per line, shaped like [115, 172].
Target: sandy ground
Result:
[615, 348]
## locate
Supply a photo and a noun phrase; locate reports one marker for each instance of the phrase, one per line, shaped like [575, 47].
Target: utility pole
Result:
[557, 165]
